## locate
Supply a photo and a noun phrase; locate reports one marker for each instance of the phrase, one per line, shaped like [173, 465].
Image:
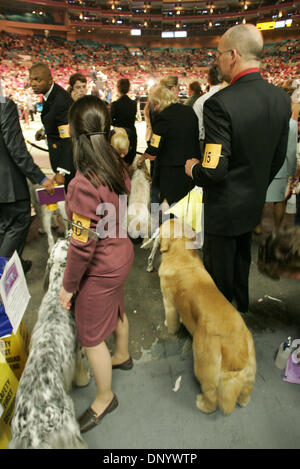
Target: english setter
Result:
[44, 415]
[47, 220]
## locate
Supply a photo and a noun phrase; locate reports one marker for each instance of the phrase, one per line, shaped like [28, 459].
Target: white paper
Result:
[14, 291]
[177, 384]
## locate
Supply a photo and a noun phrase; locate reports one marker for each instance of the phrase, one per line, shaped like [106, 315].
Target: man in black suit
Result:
[246, 131]
[15, 165]
[56, 104]
[123, 112]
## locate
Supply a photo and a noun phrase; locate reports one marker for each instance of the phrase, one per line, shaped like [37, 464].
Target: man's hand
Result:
[142, 159]
[40, 134]
[65, 298]
[59, 179]
[49, 186]
[189, 164]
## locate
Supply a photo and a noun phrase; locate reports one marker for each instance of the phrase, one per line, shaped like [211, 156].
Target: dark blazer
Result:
[123, 112]
[15, 162]
[55, 115]
[250, 120]
[175, 136]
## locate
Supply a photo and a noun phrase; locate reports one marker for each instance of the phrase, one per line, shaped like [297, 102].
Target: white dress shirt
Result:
[198, 108]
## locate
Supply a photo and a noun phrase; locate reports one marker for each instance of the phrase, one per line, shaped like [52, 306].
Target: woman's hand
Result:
[65, 298]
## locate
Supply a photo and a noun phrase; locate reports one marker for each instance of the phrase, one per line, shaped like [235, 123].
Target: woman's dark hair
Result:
[93, 154]
[123, 85]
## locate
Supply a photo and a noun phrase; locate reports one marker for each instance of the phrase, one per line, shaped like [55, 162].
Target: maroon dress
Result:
[96, 270]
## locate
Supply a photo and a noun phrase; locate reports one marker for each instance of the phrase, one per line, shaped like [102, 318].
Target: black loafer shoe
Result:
[89, 418]
[125, 365]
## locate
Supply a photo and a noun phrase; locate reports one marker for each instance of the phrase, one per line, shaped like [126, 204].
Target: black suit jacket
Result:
[55, 115]
[123, 112]
[250, 120]
[15, 162]
[175, 136]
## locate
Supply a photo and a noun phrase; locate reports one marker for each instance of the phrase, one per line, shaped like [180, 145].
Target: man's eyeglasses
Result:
[221, 53]
[224, 52]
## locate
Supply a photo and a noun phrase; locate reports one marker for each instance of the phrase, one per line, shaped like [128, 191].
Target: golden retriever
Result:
[223, 347]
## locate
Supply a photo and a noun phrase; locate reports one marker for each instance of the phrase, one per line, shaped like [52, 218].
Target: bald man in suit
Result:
[246, 133]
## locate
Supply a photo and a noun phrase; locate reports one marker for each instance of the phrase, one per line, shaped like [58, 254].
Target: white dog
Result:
[44, 413]
[138, 214]
[48, 217]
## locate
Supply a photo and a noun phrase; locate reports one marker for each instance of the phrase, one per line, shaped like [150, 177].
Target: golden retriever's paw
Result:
[204, 406]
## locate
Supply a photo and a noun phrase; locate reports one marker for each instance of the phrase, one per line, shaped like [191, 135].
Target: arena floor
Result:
[150, 414]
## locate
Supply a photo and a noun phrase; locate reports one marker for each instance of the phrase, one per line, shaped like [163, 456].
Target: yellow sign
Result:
[63, 131]
[8, 389]
[265, 26]
[212, 155]
[17, 349]
[189, 209]
[155, 140]
[79, 232]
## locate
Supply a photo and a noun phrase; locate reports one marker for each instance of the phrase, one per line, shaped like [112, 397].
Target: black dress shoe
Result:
[127, 365]
[26, 265]
[89, 418]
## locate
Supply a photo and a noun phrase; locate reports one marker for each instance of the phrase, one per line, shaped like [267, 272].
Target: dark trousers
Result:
[228, 259]
[14, 226]
[297, 214]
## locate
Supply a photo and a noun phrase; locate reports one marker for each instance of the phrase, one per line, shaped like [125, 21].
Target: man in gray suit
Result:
[15, 165]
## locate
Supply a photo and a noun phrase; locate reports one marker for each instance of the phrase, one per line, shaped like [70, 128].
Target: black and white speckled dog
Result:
[44, 413]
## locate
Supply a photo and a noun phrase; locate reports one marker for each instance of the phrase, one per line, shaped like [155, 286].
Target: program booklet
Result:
[44, 198]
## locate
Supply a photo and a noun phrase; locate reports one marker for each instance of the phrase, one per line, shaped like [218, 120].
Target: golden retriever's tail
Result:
[236, 386]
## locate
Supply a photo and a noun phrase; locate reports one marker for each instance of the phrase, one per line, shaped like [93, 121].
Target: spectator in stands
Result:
[16, 164]
[56, 104]
[216, 83]
[246, 133]
[123, 112]
[175, 136]
[77, 86]
[194, 92]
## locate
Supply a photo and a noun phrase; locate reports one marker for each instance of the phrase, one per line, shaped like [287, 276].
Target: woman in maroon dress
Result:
[97, 269]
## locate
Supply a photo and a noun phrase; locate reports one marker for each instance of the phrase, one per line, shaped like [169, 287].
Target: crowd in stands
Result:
[281, 62]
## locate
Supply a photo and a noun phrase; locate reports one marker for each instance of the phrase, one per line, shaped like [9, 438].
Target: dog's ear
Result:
[164, 244]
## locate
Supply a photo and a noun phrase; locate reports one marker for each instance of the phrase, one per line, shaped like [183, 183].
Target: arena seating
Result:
[280, 63]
